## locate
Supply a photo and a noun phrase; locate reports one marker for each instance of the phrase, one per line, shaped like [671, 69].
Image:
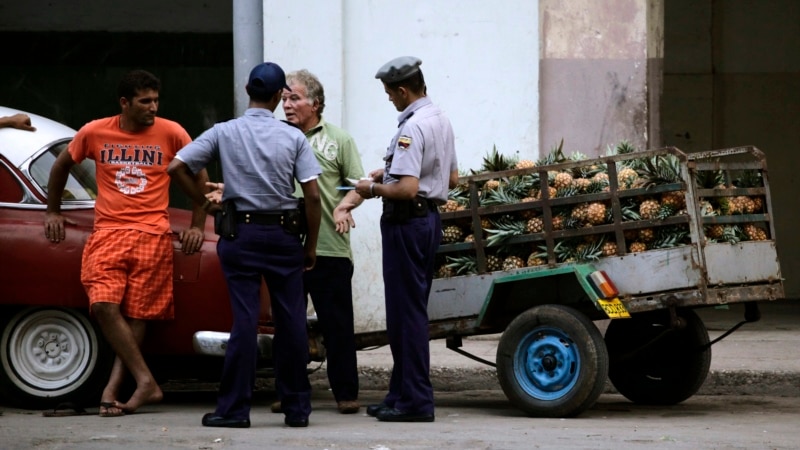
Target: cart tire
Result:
[669, 371]
[552, 362]
[50, 356]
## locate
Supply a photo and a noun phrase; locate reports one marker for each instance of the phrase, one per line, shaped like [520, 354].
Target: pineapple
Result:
[452, 234]
[449, 206]
[562, 180]
[581, 184]
[609, 248]
[580, 213]
[649, 209]
[444, 271]
[535, 259]
[491, 185]
[675, 199]
[469, 238]
[558, 222]
[525, 164]
[551, 191]
[626, 178]
[758, 204]
[493, 263]
[714, 231]
[601, 177]
[534, 225]
[636, 247]
[744, 204]
[754, 233]
[646, 235]
[596, 213]
[513, 262]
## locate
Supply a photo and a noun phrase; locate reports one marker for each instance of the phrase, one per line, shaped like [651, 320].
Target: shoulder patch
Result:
[404, 142]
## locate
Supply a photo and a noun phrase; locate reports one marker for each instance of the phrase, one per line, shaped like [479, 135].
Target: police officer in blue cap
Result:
[261, 158]
[421, 167]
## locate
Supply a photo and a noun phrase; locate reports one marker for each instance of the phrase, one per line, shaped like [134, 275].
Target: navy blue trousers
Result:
[331, 291]
[265, 251]
[409, 251]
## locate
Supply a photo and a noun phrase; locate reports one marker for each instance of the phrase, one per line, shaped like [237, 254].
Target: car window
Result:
[81, 183]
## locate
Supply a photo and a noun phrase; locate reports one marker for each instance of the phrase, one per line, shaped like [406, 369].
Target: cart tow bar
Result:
[751, 314]
[454, 342]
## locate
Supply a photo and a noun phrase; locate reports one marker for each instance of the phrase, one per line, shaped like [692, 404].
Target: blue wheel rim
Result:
[547, 363]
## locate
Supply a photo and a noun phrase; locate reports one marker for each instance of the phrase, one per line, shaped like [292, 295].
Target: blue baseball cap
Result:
[266, 79]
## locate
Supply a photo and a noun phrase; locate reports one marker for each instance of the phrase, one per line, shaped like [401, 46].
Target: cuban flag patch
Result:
[404, 142]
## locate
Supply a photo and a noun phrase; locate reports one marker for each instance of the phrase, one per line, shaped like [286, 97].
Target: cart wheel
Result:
[552, 362]
[669, 371]
[50, 356]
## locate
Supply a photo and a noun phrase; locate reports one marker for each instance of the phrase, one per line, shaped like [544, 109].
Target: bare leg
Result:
[125, 338]
[111, 390]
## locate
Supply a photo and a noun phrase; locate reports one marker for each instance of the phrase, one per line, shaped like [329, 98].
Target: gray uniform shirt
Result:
[424, 147]
[261, 157]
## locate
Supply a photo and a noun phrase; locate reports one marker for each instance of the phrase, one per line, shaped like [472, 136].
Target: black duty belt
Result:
[399, 211]
[275, 218]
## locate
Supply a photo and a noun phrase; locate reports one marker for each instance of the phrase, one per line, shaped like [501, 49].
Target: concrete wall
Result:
[732, 77]
[480, 64]
[600, 73]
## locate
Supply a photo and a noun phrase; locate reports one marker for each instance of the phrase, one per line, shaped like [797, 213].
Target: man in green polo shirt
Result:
[329, 282]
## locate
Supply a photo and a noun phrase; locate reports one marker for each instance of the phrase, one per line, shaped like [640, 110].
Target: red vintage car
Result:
[51, 349]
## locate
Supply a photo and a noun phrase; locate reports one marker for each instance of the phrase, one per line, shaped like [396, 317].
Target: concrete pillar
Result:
[600, 73]
[248, 47]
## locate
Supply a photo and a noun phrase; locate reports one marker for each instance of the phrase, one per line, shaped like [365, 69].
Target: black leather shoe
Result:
[395, 415]
[373, 410]
[212, 420]
[296, 423]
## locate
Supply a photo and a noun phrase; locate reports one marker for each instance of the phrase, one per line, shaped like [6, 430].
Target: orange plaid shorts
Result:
[132, 269]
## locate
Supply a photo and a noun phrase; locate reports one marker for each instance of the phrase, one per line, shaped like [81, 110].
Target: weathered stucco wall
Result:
[598, 85]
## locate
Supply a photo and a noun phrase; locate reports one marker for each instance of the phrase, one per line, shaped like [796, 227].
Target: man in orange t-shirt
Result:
[127, 261]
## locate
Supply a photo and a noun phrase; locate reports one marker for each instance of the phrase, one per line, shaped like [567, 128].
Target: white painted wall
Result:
[481, 65]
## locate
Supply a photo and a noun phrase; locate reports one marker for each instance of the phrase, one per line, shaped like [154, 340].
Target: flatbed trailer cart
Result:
[704, 238]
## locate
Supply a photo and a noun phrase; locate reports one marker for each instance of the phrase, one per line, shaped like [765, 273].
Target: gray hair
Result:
[314, 90]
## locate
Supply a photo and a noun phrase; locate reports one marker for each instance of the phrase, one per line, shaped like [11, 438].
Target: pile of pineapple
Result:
[514, 210]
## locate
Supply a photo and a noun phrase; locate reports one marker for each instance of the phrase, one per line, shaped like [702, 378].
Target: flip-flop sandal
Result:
[65, 409]
[107, 406]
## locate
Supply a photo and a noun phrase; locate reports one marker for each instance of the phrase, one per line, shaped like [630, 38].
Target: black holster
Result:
[225, 221]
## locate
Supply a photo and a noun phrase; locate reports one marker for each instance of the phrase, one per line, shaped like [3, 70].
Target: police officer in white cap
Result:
[421, 168]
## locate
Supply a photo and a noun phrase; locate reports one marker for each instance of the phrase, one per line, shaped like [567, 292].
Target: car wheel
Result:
[50, 356]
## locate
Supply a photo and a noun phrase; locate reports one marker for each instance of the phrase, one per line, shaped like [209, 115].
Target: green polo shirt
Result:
[338, 157]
